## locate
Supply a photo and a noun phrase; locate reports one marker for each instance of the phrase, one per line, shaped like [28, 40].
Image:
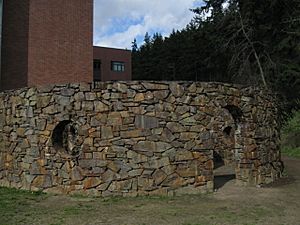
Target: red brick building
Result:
[50, 41]
[111, 64]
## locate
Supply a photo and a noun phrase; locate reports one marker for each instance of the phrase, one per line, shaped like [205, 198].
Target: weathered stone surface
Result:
[187, 136]
[176, 89]
[135, 138]
[155, 86]
[106, 132]
[145, 146]
[91, 182]
[42, 181]
[161, 94]
[139, 97]
[43, 101]
[63, 100]
[159, 176]
[174, 181]
[90, 96]
[175, 127]
[76, 174]
[184, 156]
[132, 133]
[120, 87]
[146, 122]
[115, 119]
[101, 107]
[67, 92]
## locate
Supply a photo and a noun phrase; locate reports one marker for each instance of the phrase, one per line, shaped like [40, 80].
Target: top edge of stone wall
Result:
[103, 85]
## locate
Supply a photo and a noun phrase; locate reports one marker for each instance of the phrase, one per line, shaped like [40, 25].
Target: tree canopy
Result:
[241, 41]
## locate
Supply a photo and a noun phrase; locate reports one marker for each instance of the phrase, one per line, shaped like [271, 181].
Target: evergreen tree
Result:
[249, 41]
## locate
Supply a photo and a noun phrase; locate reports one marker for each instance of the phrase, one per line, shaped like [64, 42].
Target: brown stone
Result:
[175, 127]
[100, 107]
[91, 182]
[135, 173]
[161, 94]
[42, 181]
[176, 89]
[155, 86]
[182, 109]
[76, 174]
[159, 176]
[139, 97]
[187, 136]
[167, 135]
[106, 132]
[20, 132]
[184, 155]
[114, 119]
[187, 170]
[145, 184]
[108, 176]
[145, 146]
[132, 133]
[200, 180]
[174, 181]
[120, 87]
[43, 101]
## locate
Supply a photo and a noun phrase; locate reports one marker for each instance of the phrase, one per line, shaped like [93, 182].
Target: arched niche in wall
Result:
[64, 139]
[235, 112]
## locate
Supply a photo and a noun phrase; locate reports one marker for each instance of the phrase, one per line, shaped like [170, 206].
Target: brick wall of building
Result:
[14, 48]
[106, 56]
[60, 41]
[46, 41]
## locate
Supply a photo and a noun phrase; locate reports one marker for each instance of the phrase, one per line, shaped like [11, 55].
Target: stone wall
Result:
[136, 138]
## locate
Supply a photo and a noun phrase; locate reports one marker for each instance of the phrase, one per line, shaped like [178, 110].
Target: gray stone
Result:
[146, 122]
[155, 86]
[175, 127]
[167, 135]
[120, 87]
[88, 105]
[182, 109]
[135, 173]
[67, 92]
[161, 94]
[76, 174]
[63, 100]
[90, 96]
[176, 89]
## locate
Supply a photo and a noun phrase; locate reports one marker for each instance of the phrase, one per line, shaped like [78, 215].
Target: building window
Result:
[117, 66]
[97, 64]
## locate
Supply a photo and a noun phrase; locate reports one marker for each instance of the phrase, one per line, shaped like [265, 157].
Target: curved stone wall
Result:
[136, 138]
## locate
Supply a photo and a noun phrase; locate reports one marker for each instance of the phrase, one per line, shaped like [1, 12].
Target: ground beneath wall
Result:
[277, 204]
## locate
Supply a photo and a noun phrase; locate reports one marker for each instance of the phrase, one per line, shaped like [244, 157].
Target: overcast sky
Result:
[118, 22]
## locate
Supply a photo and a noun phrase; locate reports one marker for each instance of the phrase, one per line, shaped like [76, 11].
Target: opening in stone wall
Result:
[235, 112]
[222, 173]
[225, 161]
[64, 138]
[227, 131]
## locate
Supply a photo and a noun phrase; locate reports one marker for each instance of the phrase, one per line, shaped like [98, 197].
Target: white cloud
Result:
[118, 22]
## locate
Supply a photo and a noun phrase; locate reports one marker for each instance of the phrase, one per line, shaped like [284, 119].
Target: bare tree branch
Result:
[254, 51]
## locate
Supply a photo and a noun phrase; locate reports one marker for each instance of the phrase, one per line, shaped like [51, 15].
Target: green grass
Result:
[291, 152]
[17, 202]
[290, 134]
[24, 207]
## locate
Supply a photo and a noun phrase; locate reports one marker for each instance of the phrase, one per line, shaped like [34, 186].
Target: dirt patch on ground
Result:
[277, 204]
